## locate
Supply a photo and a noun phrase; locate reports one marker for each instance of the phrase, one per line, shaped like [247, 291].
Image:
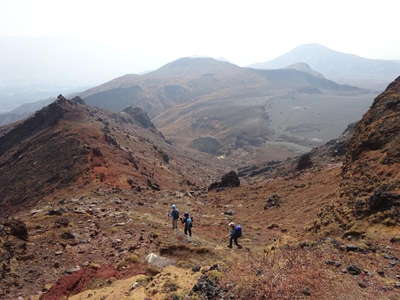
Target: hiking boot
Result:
[229, 246]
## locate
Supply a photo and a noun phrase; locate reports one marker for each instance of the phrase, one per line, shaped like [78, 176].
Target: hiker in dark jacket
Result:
[188, 223]
[234, 234]
[174, 215]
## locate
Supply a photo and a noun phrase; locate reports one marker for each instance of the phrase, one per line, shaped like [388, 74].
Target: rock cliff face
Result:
[140, 116]
[371, 179]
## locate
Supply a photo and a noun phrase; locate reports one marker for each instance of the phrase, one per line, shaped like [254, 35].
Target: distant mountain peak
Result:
[338, 66]
[193, 60]
[313, 45]
[196, 58]
[187, 66]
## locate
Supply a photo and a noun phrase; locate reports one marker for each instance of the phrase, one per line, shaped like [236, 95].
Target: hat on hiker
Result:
[173, 206]
[231, 224]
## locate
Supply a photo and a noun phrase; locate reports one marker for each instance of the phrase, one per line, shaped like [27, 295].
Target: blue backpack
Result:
[188, 222]
[175, 214]
[238, 231]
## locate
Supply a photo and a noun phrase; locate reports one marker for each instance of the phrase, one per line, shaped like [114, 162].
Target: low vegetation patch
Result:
[177, 250]
[289, 274]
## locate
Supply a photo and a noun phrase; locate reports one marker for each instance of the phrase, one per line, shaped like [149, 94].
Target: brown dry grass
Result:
[284, 274]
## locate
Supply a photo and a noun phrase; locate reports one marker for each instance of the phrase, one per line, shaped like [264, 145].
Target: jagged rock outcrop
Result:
[42, 119]
[140, 116]
[371, 179]
[304, 162]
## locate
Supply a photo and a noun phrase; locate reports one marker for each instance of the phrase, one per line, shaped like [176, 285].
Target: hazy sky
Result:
[146, 34]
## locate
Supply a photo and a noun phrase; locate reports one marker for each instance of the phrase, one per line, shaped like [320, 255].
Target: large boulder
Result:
[158, 261]
[273, 201]
[381, 200]
[230, 179]
[17, 228]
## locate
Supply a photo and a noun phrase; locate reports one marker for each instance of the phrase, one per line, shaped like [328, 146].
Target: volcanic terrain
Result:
[85, 196]
[219, 108]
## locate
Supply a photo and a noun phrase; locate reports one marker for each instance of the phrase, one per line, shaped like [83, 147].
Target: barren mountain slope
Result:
[65, 172]
[286, 115]
[222, 109]
[279, 245]
[180, 81]
[371, 169]
[94, 239]
[69, 143]
[187, 79]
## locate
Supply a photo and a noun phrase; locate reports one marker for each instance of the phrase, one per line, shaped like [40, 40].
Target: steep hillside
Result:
[338, 66]
[178, 82]
[371, 170]
[69, 143]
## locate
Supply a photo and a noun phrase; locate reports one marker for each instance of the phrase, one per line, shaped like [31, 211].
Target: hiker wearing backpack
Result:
[188, 223]
[174, 215]
[234, 234]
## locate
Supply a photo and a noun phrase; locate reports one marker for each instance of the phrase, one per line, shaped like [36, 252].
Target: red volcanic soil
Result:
[80, 280]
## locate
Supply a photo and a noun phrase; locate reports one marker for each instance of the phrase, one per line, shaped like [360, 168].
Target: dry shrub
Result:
[285, 274]
[128, 260]
[182, 250]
